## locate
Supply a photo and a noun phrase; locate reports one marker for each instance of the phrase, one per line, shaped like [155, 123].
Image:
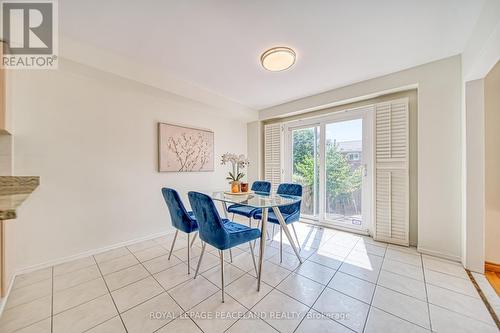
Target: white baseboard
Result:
[63, 260]
[439, 254]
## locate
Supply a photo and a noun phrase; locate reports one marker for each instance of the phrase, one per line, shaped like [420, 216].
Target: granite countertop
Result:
[13, 191]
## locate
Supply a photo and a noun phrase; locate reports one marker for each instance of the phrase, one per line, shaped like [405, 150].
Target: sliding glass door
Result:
[331, 158]
[304, 167]
[344, 172]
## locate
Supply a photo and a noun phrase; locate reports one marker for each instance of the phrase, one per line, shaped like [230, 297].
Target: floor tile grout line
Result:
[31, 284]
[166, 291]
[400, 318]
[102, 276]
[100, 324]
[109, 292]
[273, 288]
[401, 293]
[142, 302]
[75, 306]
[53, 292]
[394, 315]
[452, 290]
[75, 270]
[464, 315]
[326, 286]
[154, 243]
[426, 295]
[369, 306]
[27, 302]
[311, 307]
[37, 281]
[243, 317]
[448, 274]
[52, 303]
[405, 276]
[130, 283]
[403, 262]
[98, 262]
[373, 306]
[150, 274]
[29, 325]
[226, 287]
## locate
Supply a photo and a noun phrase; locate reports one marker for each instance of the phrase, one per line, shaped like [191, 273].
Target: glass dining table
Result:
[265, 202]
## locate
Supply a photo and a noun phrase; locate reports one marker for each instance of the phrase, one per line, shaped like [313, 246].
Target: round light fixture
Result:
[278, 59]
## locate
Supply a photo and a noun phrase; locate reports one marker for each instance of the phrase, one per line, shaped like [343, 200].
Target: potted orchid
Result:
[238, 162]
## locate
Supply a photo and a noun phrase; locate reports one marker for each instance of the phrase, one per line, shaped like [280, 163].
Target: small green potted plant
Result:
[238, 162]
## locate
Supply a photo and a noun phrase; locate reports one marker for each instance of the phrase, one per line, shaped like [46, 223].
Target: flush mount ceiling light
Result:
[278, 59]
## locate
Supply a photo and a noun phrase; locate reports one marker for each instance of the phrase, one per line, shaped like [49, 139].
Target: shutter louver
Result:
[272, 155]
[391, 172]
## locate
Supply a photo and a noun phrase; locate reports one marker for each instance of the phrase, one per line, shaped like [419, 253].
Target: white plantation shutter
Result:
[391, 197]
[272, 154]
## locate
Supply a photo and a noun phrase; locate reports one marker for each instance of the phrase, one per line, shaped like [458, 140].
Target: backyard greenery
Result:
[342, 179]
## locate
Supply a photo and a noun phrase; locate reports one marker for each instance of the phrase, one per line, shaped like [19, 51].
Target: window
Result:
[353, 157]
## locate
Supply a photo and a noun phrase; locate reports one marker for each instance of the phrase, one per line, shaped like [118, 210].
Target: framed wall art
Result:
[184, 149]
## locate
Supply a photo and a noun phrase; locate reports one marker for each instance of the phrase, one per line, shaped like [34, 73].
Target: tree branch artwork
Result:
[185, 149]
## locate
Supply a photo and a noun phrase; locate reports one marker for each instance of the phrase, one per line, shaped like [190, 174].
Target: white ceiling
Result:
[216, 44]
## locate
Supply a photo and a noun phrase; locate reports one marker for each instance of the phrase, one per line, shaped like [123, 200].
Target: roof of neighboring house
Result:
[350, 146]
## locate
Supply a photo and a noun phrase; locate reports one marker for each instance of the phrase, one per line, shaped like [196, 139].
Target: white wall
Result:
[481, 53]
[439, 143]
[92, 139]
[255, 141]
[474, 176]
[492, 164]
[482, 50]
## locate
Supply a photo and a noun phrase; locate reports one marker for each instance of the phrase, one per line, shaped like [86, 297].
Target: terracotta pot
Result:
[244, 187]
[235, 187]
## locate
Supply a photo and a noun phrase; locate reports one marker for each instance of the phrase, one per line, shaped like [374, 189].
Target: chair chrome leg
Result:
[253, 256]
[258, 227]
[296, 237]
[189, 256]
[272, 238]
[231, 255]
[173, 243]
[287, 232]
[250, 225]
[262, 245]
[221, 254]
[194, 238]
[199, 260]
[281, 245]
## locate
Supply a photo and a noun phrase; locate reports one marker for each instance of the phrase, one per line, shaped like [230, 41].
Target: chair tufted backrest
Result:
[210, 225]
[290, 189]
[261, 186]
[178, 214]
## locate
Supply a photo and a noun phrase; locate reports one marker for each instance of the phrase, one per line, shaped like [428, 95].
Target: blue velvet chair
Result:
[221, 233]
[249, 212]
[181, 219]
[291, 213]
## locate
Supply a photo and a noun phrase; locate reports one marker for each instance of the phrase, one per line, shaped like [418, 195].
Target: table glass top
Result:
[256, 199]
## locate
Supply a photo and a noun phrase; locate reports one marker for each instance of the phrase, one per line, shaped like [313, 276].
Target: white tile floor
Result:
[347, 283]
